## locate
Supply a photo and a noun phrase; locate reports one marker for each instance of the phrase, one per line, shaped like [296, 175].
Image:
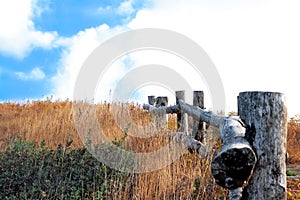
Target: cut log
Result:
[233, 166]
[265, 115]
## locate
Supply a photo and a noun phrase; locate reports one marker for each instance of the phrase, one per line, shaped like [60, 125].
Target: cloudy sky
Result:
[255, 45]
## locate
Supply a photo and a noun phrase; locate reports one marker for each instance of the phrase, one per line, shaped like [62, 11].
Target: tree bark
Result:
[265, 115]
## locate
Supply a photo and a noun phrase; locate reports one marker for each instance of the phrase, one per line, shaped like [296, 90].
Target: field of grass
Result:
[42, 157]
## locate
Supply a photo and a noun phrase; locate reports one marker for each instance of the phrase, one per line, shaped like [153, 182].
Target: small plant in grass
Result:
[291, 173]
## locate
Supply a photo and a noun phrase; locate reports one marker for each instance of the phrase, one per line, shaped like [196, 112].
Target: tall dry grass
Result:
[293, 140]
[186, 178]
[38, 121]
[53, 122]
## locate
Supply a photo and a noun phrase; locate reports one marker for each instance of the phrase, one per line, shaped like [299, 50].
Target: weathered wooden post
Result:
[199, 126]
[161, 118]
[265, 115]
[151, 100]
[161, 101]
[182, 118]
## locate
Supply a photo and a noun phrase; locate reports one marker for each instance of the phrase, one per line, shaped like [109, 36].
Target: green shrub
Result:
[29, 171]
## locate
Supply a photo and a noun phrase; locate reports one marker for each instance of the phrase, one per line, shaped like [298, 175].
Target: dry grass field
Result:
[189, 177]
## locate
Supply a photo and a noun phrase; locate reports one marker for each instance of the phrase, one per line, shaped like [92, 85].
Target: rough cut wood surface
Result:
[265, 115]
[233, 166]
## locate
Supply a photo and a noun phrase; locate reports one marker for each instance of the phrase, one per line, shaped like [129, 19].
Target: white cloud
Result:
[125, 8]
[35, 75]
[254, 44]
[18, 35]
[104, 10]
[79, 47]
[254, 47]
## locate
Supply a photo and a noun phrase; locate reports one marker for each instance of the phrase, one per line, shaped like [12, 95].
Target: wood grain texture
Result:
[182, 118]
[265, 115]
[199, 130]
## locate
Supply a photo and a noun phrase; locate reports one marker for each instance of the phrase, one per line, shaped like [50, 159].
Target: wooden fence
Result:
[252, 161]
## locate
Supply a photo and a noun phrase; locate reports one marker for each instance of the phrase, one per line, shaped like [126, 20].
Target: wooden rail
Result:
[251, 163]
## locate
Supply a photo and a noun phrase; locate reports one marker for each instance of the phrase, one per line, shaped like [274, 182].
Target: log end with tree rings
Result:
[233, 166]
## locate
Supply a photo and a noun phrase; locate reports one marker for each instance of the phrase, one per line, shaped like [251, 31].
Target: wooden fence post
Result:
[161, 101]
[161, 118]
[182, 118]
[151, 100]
[199, 126]
[265, 115]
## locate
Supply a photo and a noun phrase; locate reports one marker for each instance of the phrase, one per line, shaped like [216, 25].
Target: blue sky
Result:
[27, 74]
[254, 44]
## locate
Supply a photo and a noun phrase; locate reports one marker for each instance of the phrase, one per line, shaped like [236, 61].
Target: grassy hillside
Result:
[42, 157]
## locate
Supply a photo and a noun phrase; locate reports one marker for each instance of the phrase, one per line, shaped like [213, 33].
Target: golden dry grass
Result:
[293, 141]
[38, 121]
[187, 178]
[53, 122]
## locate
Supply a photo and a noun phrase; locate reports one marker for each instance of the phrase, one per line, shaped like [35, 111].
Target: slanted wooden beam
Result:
[192, 145]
